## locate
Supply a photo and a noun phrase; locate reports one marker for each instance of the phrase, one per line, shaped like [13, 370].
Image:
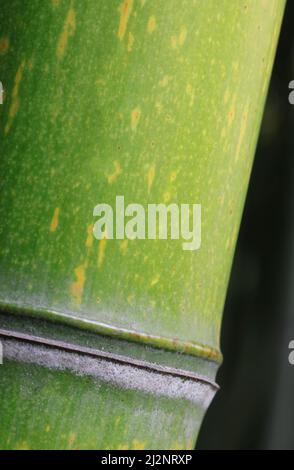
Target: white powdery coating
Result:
[125, 376]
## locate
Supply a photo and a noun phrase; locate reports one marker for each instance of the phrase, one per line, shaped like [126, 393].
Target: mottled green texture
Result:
[198, 82]
[58, 410]
[156, 100]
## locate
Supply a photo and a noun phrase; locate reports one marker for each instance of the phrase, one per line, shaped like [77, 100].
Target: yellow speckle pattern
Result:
[150, 177]
[130, 298]
[190, 444]
[131, 41]
[22, 446]
[232, 112]
[138, 445]
[123, 246]
[178, 40]
[125, 11]
[166, 197]
[173, 176]
[4, 45]
[90, 236]
[182, 36]
[15, 101]
[71, 439]
[164, 81]
[101, 251]
[135, 118]
[155, 280]
[151, 24]
[68, 31]
[117, 171]
[31, 64]
[77, 287]
[55, 219]
[102, 106]
[244, 119]
[177, 446]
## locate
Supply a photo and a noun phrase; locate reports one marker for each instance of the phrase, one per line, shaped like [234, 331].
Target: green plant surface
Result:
[152, 100]
[72, 412]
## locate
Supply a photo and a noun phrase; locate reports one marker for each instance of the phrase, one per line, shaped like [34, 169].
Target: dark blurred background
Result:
[255, 407]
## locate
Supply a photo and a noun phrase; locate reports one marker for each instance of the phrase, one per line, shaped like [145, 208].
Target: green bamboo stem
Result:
[159, 103]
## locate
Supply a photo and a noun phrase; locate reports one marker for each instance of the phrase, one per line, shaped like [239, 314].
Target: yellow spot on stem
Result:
[190, 444]
[124, 246]
[123, 447]
[90, 237]
[54, 221]
[131, 41]
[125, 11]
[130, 298]
[101, 251]
[55, 3]
[117, 171]
[232, 112]
[173, 176]
[138, 445]
[189, 89]
[155, 280]
[221, 200]
[164, 81]
[151, 24]
[15, 102]
[72, 438]
[69, 28]
[166, 197]
[177, 446]
[4, 45]
[179, 40]
[182, 36]
[150, 177]
[22, 446]
[242, 131]
[77, 287]
[47, 429]
[135, 117]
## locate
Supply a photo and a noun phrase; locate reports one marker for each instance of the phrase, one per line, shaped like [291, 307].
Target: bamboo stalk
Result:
[114, 343]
